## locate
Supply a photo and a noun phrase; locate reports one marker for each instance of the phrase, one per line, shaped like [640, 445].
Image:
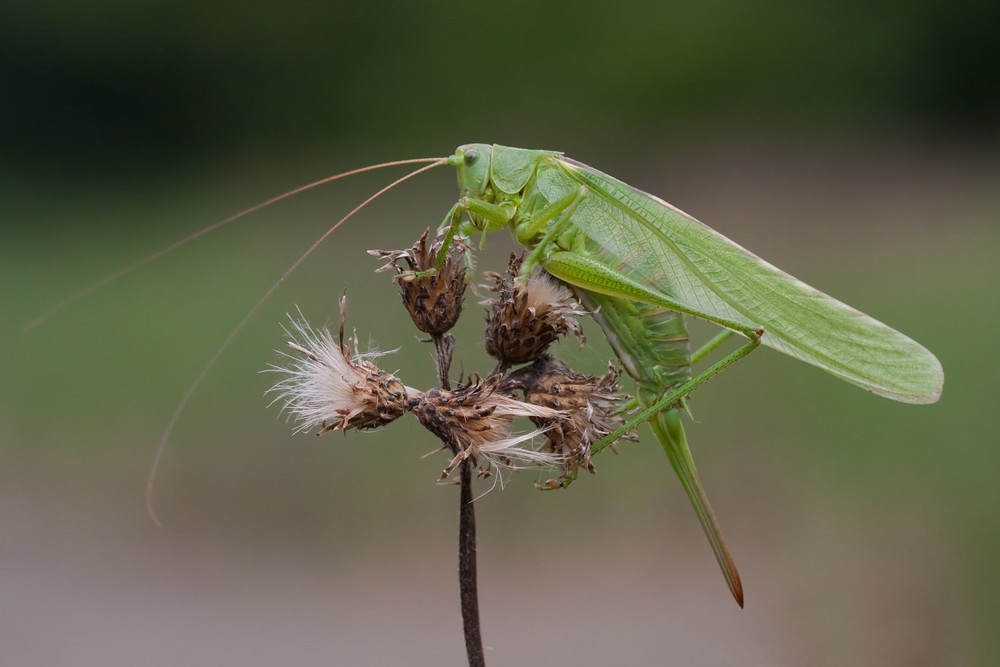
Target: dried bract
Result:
[332, 386]
[530, 314]
[475, 422]
[592, 407]
[432, 298]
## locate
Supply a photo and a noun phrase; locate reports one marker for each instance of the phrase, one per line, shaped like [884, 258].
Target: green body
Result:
[640, 264]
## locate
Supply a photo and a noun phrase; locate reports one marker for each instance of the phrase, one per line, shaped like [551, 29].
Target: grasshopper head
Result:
[473, 163]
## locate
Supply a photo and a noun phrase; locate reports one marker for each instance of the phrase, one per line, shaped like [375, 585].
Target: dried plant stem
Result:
[467, 569]
[468, 585]
[444, 345]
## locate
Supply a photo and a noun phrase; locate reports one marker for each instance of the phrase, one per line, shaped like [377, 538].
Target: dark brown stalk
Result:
[467, 569]
[444, 345]
[467, 577]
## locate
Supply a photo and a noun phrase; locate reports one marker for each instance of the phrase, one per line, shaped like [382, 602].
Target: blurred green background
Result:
[853, 144]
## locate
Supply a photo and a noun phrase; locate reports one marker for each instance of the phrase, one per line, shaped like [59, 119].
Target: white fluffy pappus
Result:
[331, 386]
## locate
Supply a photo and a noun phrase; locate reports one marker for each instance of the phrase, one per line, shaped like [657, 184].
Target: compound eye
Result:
[471, 157]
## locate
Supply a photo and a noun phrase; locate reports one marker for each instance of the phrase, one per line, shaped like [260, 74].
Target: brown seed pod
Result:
[475, 420]
[333, 387]
[592, 409]
[530, 314]
[434, 300]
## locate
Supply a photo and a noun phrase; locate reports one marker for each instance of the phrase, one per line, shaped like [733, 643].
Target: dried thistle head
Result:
[434, 299]
[592, 409]
[475, 421]
[531, 313]
[332, 386]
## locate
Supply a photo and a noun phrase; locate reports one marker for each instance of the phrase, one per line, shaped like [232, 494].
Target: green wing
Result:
[668, 250]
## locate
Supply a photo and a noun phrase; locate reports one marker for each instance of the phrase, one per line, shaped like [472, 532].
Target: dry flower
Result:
[592, 409]
[333, 386]
[475, 421]
[433, 298]
[531, 314]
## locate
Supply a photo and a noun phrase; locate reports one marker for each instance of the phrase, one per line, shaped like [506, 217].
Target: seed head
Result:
[531, 313]
[432, 297]
[332, 386]
[475, 420]
[592, 409]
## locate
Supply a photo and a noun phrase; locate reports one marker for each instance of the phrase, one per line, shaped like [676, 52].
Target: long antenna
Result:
[165, 438]
[111, 277]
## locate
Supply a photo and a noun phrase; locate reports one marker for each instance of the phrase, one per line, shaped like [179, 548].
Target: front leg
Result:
[495, 217]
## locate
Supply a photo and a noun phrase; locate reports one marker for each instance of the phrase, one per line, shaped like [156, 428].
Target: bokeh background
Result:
[854, 144]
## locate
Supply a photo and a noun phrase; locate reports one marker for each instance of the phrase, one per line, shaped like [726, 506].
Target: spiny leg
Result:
[663, 414]
[664, 420]
[593, 276]
[710, 346]
[674, 396]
